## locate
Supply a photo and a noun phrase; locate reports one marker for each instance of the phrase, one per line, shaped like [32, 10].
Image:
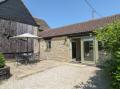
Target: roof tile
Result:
[80, 27]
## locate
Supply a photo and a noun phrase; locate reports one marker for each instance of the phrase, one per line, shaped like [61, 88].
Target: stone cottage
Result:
[75, 42]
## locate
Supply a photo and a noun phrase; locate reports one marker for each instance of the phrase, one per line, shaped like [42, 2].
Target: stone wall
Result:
[60, 49]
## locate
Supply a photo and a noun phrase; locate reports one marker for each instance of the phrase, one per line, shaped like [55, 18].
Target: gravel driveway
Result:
[66, 76]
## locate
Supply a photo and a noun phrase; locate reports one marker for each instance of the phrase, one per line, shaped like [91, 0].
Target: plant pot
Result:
[4, 73]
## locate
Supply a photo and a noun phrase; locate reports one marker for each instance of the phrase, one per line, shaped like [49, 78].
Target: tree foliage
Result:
[110, 36]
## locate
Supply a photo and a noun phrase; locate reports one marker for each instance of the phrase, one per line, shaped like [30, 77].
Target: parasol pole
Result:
[39, 48]
[27, 45]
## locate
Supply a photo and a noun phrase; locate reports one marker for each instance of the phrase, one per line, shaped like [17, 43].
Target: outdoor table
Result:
[27, 57]
[26, 36]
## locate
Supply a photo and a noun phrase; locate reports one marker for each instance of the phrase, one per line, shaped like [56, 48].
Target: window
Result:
[88, 50]
[48, 44]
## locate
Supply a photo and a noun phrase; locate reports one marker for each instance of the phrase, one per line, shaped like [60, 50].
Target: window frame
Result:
[48, 44]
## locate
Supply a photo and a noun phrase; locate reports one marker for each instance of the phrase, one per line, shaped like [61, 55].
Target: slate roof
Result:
[15, 10]
[80, 27]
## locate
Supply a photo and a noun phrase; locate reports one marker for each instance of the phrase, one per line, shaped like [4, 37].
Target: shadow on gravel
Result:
[99, 81]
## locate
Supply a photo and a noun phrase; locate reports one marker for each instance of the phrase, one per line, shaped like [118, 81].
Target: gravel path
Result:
[66, 76]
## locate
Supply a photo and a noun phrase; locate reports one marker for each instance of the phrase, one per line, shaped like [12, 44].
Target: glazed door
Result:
[88, 50]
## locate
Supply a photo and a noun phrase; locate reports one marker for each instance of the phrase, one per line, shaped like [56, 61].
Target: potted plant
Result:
[4, 70]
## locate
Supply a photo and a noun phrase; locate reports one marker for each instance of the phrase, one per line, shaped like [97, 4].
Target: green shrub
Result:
[112, 68]
[2, 61]
[110, 37]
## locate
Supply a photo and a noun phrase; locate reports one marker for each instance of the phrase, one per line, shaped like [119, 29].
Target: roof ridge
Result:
[82, 27]
[85, 22]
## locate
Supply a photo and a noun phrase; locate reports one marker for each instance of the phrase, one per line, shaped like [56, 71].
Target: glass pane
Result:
[88, 51]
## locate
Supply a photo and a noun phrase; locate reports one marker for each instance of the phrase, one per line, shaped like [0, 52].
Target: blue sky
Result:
[59, 13]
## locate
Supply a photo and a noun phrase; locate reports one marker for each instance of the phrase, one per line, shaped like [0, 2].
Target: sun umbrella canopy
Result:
[26, 35]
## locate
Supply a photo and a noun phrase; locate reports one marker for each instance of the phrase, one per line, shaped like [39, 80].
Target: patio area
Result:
[19, 71]
[49, 74]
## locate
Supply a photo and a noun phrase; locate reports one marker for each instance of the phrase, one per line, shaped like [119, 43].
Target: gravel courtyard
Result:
[64, 76]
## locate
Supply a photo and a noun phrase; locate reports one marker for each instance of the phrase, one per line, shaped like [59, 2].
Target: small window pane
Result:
[48, 44]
